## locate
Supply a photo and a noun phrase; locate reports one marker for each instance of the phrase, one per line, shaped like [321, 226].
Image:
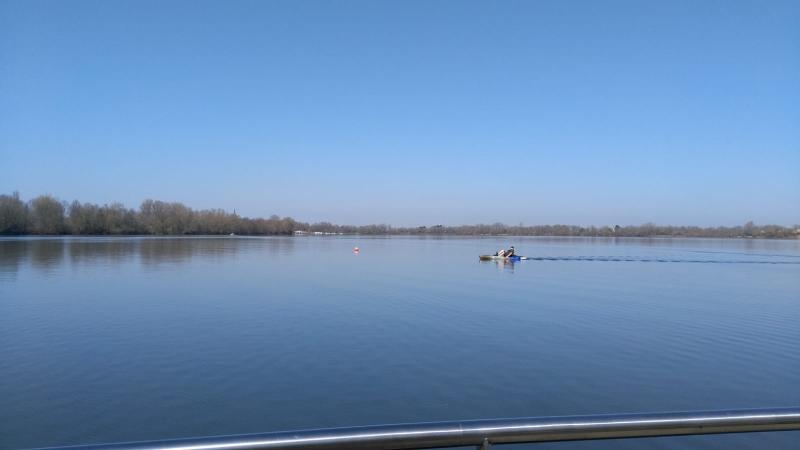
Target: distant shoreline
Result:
[311, 236]
[46, 215]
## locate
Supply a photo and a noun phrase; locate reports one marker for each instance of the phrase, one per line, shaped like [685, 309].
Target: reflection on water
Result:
[11, 257]
[46, 254]
[106, 251]
[501, 264]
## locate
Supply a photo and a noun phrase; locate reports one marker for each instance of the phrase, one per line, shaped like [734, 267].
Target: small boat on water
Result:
[501, 258]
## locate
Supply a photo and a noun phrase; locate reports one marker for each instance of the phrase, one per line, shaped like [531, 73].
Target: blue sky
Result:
[409, 112]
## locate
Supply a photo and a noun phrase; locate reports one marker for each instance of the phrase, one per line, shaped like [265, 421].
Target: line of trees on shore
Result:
[748, 230]
[47, 215]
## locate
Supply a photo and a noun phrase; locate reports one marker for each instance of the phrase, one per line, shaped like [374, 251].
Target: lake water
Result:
[115, 339]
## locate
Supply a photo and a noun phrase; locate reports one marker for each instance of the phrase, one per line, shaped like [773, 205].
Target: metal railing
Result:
[483, 433]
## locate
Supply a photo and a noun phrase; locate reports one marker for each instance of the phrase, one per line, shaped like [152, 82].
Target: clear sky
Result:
[409, 112]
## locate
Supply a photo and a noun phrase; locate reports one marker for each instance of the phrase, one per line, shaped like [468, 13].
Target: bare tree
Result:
[47, 215]
[13, 215]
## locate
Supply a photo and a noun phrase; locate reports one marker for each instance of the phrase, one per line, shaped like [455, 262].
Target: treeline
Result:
[46, 215]
[748, 230]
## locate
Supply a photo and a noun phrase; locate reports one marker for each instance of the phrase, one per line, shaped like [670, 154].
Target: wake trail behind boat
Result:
[653, 260]
[769, 255]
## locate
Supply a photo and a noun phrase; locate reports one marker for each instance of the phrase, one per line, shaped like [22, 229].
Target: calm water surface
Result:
[114, 339]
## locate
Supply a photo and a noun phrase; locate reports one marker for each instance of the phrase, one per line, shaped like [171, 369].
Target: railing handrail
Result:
[489, 432]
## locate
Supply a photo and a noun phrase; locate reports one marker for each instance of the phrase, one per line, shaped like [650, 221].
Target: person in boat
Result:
[505, 253]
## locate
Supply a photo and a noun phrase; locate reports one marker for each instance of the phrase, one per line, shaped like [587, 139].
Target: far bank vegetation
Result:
[47, 215]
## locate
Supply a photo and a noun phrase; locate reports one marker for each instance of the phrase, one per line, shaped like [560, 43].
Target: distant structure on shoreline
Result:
[47, 215]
